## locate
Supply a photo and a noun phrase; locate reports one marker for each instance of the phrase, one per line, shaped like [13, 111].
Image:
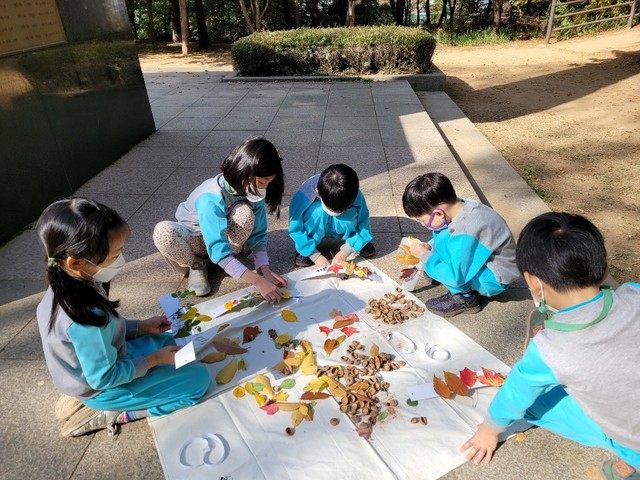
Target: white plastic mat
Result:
[256, 445]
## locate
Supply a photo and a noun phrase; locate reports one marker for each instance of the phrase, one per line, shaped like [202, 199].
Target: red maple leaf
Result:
[491, 378]
[325, 330]
[348, 331]
[335, 268]
[270, 408]
[469, 377]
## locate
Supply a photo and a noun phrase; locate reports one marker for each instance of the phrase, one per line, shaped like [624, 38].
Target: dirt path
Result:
[566, 116]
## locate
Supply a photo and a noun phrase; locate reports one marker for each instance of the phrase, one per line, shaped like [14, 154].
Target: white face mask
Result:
[540, 304]
[106, 274]
[327, 211]
[262, 192]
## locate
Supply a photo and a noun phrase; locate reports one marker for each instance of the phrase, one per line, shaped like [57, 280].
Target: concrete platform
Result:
[382, 129]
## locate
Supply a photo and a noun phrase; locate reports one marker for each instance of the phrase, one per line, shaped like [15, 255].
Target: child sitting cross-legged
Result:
[330, 205]
[579, 375]
[472, 251]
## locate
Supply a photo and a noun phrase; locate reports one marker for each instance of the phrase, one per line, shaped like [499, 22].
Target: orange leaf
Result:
[441, 388]
[249, 334]
[469, 377]
[491, 378]
[238, 392]
[407, 259]
[222, 327]
[227, 345]
[329, 345]
[335, 313]
[456, 385]
[314, 396]
[374, 350]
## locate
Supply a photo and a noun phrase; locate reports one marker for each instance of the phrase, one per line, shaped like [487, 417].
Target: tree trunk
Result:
[175, 21]
[342, 12]
[427, 11]
[297, 7]
[417, 13]
[132, 17]
[351, 12]
[184, 27]
[452, 12]
[527, 9]
[246, 16]
[497, 13]
[201, 20]
[443, 14]
[287, 14]
[315, 13]
[398, 13]
[152, 30]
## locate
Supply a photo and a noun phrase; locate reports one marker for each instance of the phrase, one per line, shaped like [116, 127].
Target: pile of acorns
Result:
[393, 308]
[361, 403]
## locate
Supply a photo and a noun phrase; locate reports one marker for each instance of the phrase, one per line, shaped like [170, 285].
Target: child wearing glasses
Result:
[472, 251]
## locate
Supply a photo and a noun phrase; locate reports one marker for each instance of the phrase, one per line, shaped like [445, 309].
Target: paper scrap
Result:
[421, 392]
[171, 306]
[186, 354]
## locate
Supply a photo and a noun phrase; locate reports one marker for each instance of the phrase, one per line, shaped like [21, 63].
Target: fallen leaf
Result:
[382, 416]
[265, 382]
[456, 385]
[288, 316]
[308, 366]
[325, 330]
[281, 367]
[227, 345]
[242, 365]
[520, 436]
[306, 411]
[294, 360]
[374, 351]
[189, 314]
[214, 357]
[345, 321]
[282, 339]
[335, 387]
[229, 305]
[286, 294]
[335, 268]
[441, 388]
[329, 345]
[288, 383]
[204, 318]
[314, 396]
[270, 407]
[249, 334]
[260, 399]
[348, 331]
[468, 376]
[249, 388]
[256, 387]
[315, 385]
[306, 346]
[407, 259]
[280, 397]
[335, 313]
[349, 268]
[227, 373]
[289, 407]
[364, 430]
[222, 327]
[340, 339]
[412, 403]
[491, 378]
[238, 392]
[296, 418]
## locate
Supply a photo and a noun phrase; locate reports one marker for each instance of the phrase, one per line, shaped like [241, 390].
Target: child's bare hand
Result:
[339, 258]
[321, 261]
[154, 325]
[481, 445]
[270, 292]
[418, 249]
[164, 356]
[274, 278]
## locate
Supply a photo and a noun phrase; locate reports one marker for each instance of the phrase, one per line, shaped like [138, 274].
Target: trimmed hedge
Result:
[326, 51]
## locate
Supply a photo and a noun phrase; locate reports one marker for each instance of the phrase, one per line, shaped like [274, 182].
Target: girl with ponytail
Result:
[110, 370]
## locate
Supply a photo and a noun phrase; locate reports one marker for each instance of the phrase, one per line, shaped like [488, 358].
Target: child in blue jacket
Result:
[330, 205]
[579, 375]
[111, 370]
[472, 251]
[226, 216]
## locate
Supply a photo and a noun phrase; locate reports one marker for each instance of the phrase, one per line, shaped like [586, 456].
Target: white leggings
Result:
[186, 248]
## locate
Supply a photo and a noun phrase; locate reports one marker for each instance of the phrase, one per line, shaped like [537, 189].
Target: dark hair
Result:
[78, 228]
[338, 187]
[256, 157]
[566, 251]
[425, 192]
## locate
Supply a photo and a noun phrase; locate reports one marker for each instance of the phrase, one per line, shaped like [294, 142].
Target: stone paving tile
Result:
[245, 122]
[248, 101]
[192, 123]
[351, 123]
[174, 139]
[295, 176]
[125, 205]
[228, 138]
[350, 138]
[431, 158]
[206, 111]
[293, 156]
[22, 258]
[144, 157]
[18, 303]
[364, 160]
[411, 138]
[206, 157]
[351, 111]
[126, 181]
[315, 122]
[281, 138]
[303, 111]
[166, 112]
[175, 100]
[217, 102]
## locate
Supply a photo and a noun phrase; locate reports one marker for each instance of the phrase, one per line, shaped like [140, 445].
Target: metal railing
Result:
[555, 3]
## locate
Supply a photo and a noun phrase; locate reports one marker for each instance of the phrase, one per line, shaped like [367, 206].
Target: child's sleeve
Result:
[462, 261]
[257, 241]
[304, 244]
[212, 218]
[362, 233]
[131, 328]
[99, 358]
[528, 379]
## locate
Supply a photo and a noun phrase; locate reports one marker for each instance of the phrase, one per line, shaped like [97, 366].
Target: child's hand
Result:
[321, 261]
[481, 445]
[270, 292]
[154, 325]
[164, 356]
[274, 278]
[418, 249]
[339, 258]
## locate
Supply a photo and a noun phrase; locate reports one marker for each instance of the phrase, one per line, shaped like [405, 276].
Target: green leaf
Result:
[242, 365]
[174, 294]
[195, 322]
[288, 383]
[412, 403]
[382, 416]
[183, 332]
[257, 387]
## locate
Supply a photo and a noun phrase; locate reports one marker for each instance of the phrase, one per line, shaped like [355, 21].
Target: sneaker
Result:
[199, 280]
[450, 305]
[535, 323]
[618, 470]
[303, 261]
[368, 250]
[87, 420]
[66, 406]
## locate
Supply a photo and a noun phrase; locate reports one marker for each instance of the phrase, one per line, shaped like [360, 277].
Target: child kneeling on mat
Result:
[330, 205]
[225, 216]
[579, 375]
[472, 251]
[110, 370]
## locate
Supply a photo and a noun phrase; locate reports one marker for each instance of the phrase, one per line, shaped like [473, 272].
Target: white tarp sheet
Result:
[256, 444]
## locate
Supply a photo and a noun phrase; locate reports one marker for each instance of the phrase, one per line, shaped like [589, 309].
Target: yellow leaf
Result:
[249, 388]
[238, 392]
[280, 397]
[288, 316]
[295, 360]
[227, 373]
[521, 437]
[214, 357]
[204, 318]
[413, 240]
[260, 399]
[374, 350]
[189, 314]
[340, 339]
[304, 409]
[266, 383]
[280, 367]
[315, 385]
[306, 346]
[228, 306]
[349, 268]
[296, 418]
[335, 387]
[288, 407]
[282, 339]
[309, 366]
[407, 259]
[286, 294]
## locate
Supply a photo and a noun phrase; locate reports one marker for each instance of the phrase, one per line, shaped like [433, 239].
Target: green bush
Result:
[325, 51]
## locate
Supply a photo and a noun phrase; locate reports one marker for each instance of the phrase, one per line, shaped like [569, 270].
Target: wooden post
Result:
[552, 11]
[632, 14]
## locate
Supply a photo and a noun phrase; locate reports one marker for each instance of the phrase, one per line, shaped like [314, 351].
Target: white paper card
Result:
[186, 354]
[421, 392]
[170, 304]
